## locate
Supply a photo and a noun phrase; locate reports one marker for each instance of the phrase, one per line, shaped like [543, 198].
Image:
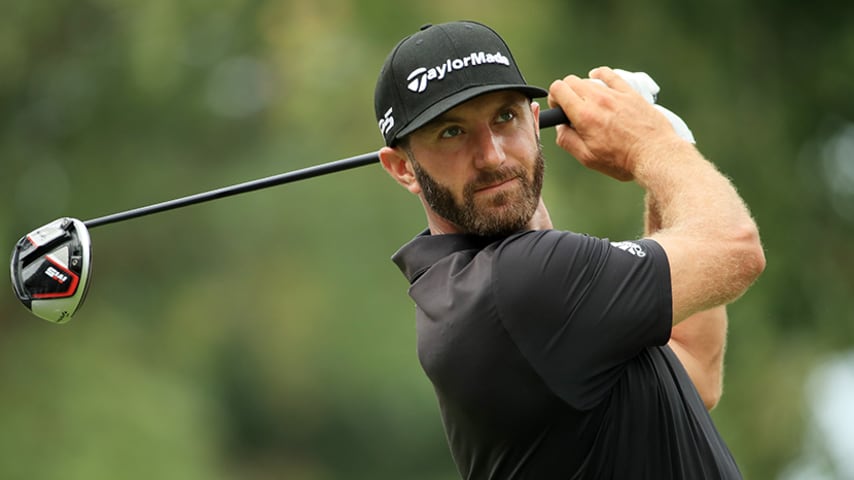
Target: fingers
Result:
[571, 89]
[570, 94]
[611, 79]
[568, 139]
[608, 119]
[561, 94]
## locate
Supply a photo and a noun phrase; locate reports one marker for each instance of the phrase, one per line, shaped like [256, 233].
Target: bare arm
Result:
[711, 241]
[699, 341]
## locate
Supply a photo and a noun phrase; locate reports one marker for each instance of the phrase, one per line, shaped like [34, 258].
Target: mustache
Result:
[493, 177]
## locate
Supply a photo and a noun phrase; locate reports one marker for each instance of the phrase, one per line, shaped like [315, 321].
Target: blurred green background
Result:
[269, 336]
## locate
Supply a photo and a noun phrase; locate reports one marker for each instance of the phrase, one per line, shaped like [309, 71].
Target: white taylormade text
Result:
[418, 79]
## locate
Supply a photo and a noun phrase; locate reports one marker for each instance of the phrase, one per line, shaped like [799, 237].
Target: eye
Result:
[451, 132]
[506, 116]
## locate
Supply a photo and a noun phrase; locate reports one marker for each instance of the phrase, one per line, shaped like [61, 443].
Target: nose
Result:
[489, 149]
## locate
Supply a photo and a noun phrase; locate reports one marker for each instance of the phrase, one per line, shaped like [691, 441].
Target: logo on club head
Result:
[56, 275]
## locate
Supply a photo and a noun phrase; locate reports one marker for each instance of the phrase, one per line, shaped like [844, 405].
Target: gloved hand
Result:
[646, 86]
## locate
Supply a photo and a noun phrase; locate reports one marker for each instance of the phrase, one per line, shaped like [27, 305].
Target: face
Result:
[480, 165]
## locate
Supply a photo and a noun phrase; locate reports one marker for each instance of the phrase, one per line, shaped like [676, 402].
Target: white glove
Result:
[646, 86]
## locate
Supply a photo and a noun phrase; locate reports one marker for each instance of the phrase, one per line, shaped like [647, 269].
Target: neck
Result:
[541, 219]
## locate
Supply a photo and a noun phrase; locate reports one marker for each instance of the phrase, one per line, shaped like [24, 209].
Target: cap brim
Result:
[452, 101]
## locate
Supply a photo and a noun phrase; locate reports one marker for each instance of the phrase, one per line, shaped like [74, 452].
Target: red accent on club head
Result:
[72, 286]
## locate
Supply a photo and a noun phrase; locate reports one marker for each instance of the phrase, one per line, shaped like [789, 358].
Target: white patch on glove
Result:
[646, 86]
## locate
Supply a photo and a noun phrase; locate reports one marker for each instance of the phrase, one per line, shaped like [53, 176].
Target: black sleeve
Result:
[580, 307]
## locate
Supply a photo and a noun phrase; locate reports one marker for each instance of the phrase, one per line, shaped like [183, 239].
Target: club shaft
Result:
[548, 118]
[302, 174]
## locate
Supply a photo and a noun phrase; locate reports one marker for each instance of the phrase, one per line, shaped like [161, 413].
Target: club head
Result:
[50, 269]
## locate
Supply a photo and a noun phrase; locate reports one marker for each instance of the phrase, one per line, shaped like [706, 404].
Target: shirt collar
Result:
[414, 258]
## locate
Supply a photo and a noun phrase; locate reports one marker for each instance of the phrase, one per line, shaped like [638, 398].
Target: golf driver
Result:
[51, 265]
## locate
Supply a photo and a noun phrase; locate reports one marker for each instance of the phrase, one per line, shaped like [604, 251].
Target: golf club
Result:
[51, 265]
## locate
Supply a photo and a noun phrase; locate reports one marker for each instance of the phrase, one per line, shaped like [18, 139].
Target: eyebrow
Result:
[449, 117]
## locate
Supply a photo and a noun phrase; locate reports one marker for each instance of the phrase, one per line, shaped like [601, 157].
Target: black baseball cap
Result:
[438, 68]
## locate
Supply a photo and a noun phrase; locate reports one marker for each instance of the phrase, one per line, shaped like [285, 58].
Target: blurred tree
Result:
[269, 336]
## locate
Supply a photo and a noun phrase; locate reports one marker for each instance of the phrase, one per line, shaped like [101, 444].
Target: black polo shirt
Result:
[548, 354]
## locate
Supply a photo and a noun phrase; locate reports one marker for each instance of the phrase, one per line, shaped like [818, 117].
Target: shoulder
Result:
[563, 278]
[520, 249]
[545, 274]
[579, 307]
[556, 252]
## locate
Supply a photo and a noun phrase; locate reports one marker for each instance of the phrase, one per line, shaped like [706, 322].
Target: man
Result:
[555, 354]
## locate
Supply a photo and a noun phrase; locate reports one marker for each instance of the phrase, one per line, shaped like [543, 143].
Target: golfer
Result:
[554, 354]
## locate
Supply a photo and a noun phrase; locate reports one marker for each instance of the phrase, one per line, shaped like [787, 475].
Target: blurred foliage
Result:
[269, 336]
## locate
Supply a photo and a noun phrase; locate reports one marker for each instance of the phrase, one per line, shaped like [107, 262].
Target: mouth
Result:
[495, 187]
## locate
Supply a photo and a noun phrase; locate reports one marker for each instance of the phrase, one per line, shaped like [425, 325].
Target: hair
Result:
[403, 143]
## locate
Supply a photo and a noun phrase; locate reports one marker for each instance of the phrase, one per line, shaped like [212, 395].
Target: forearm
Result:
[705, 227]
[688, 192]
[711, 241]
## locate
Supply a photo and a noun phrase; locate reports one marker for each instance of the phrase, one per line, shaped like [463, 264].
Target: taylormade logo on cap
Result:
[439, 67]
[418, 79]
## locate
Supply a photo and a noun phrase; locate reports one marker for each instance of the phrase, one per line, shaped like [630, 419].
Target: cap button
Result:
[425, 26]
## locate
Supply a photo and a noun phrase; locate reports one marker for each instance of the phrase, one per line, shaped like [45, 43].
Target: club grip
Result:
[552, 117]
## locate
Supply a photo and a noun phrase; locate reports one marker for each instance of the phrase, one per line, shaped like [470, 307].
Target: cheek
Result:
[526, 150]
[451, 185]
[448, 174]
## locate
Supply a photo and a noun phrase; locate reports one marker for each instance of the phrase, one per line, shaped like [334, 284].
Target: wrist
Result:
[662, 157]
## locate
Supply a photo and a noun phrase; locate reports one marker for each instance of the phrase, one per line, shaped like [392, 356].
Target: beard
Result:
[502, 213]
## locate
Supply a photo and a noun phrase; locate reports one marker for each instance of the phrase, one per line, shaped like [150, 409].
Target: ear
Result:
[397, 164]
[535, 111]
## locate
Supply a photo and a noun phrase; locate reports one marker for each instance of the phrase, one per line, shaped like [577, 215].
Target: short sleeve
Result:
[579, 307]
